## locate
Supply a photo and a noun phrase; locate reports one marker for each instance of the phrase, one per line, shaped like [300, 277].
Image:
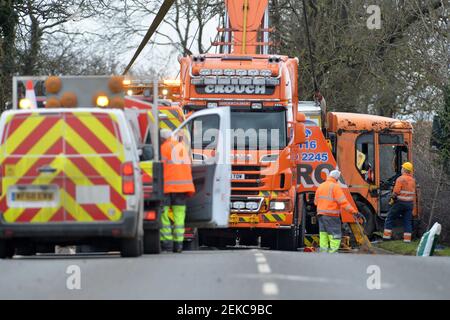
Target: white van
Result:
[69, 177]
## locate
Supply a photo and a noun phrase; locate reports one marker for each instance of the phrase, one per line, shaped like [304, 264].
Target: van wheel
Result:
[152, 244]
[26, 250]
[132, 247]
[6, 249]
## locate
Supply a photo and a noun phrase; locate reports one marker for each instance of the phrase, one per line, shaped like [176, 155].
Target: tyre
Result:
[152, 242]
[269, 239]
[370, 226]
[132, 247]
[6, 250]
[192, 245]
[248, 239]
[26, 250]
[287, 240]
[302, 226]
[290, 240]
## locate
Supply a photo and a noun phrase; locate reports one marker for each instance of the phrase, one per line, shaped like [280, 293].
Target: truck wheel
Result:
[301, 228]
[152, 242]
[287, 240]
[132, 247]
[370, 226]
[248, 239]
[6, 249]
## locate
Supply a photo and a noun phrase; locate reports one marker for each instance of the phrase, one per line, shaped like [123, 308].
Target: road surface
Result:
[226, 274]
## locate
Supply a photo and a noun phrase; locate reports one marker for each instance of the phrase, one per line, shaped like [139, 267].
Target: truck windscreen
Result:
[258, 130]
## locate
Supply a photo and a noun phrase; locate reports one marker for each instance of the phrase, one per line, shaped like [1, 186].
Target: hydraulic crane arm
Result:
[245, 21]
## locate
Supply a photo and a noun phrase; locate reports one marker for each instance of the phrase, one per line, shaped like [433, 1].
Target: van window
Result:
[54, 134]
[365, 157]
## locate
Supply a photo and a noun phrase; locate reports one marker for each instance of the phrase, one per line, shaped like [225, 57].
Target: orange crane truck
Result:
[268, 204]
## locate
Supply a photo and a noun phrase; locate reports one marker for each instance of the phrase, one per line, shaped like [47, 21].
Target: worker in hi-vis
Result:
[330, 199]
[402, 200]
[178, 185]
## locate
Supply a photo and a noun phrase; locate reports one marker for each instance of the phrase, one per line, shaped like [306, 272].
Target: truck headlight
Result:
[229, 72]
[251, 205]
[278, 205]
[266, 73]
[205, 72]
[239, 205]
[217, 72]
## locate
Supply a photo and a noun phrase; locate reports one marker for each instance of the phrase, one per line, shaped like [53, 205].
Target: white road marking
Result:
[270, 289]
[261, 259]
[264, 268]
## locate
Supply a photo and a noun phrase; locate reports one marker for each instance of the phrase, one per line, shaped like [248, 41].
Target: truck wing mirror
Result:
[299, 133]
[300, 117]
[147, 153]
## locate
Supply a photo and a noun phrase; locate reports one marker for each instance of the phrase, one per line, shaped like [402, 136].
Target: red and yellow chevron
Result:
[83, 148]
[147, 177]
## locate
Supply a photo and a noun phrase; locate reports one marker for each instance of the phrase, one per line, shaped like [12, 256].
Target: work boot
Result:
[167, 246]
[407, 237]
[387, 235]
[178, 247]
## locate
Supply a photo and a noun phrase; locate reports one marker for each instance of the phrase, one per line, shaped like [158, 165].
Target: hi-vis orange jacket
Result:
[330, 199]
[177, 168]
[405, 187]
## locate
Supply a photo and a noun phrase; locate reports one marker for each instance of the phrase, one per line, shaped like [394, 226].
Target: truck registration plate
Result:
[237, 176]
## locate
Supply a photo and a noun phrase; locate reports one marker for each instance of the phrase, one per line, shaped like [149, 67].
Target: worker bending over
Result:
[402, 201]
[178, 185]
[330, 199]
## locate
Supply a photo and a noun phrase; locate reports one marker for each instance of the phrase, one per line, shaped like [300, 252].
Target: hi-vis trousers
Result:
[330, 233]
[173, 233]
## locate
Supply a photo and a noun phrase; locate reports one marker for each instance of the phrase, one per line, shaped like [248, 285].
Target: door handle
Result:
[46, 169]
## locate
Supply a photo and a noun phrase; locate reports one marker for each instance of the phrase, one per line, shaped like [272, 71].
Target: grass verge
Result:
[409, 249]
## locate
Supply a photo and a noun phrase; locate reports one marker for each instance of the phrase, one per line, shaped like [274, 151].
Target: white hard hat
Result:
[165, 134]
[335, 174]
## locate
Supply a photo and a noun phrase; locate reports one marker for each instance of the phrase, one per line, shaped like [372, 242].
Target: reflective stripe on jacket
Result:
[405, 187]
[177, 168]
[330, 199]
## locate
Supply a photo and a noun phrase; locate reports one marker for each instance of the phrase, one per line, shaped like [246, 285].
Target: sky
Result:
[161, 58]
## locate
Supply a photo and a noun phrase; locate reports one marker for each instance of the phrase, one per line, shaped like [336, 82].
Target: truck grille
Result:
[252, 178]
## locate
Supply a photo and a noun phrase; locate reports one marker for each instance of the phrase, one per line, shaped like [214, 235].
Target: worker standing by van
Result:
[178, 185]
[330, 199]
[403, 197]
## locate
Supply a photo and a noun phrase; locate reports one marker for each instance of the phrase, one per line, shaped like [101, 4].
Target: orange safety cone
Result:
[30, 94]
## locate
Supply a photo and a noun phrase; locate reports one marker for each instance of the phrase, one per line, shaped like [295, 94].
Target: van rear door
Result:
[32, 168]
[61, 167]
[207, 130]
[94, 156]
